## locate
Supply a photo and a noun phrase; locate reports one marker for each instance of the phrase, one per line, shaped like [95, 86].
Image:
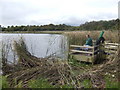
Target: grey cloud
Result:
[103, 16]
[74, 21]
[15, 13]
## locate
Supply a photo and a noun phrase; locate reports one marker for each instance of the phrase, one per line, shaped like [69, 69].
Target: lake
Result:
[39, 45]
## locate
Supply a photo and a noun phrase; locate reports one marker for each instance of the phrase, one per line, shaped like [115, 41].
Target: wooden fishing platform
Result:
[93, 53]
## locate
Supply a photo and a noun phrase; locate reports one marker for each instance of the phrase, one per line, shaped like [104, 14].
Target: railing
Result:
[88, 53]
[93, 52]
[91, 49]
[111, 48]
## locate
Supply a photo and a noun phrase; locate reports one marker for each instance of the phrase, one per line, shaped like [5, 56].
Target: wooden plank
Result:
[96, 51]
[82, 46]
[111, 51]
[116, 44]
[111, 47]
[85, 52]
[84, 58]
[91, 47]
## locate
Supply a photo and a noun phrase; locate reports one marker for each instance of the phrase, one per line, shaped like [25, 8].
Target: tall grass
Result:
[78, 37]
[111, 36]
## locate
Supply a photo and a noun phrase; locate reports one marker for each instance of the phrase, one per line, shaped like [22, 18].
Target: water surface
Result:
[39, 45]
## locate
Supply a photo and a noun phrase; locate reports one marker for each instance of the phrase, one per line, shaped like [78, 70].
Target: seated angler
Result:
[88, 43]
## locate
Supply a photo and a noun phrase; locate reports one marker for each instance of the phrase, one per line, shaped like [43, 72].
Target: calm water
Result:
[39, 45]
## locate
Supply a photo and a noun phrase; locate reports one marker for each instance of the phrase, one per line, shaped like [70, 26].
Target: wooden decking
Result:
[93, 53]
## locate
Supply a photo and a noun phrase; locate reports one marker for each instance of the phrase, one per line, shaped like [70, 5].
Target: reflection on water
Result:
[40, 45]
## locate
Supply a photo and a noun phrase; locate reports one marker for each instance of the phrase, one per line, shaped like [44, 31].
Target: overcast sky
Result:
[41, 12]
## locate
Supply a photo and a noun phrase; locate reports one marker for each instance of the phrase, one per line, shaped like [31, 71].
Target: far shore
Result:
[49, 32]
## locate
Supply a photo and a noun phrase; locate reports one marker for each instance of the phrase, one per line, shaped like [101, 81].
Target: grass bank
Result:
[35, 32]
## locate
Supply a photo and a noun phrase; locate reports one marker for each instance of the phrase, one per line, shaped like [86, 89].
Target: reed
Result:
[29, 67]
[78, 37]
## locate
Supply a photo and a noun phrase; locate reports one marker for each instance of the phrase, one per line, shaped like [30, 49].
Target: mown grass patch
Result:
[39, 83]
[43, 83]
[87, 83]
[111, 82]
[4, 82]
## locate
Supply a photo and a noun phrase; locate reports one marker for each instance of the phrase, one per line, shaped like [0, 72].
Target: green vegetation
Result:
[100, 25]
[87, 83]
[39, 83]
[43, 83]
[94, 25]
[111, 82]
[3, 80]
[50, 27]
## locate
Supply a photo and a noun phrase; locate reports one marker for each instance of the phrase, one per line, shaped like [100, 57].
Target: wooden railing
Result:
[93, 52]
[111, 47]
[86, 53]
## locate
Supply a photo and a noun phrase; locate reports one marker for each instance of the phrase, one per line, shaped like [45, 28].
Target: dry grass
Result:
[78, 37]
[29, 67]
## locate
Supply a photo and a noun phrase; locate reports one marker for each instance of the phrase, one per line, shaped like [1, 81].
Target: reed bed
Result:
[79, 37]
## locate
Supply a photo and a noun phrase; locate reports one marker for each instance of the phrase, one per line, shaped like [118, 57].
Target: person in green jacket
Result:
[88, 41]
[101, 34]
[100, 39]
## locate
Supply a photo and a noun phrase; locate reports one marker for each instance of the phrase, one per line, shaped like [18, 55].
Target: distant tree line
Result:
[100, 25]
[94, 25]
[50, 27]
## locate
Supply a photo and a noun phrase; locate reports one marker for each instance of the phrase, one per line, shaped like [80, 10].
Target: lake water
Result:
[39, 45]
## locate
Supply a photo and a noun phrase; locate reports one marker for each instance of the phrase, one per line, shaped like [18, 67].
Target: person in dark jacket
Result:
[101, 39]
